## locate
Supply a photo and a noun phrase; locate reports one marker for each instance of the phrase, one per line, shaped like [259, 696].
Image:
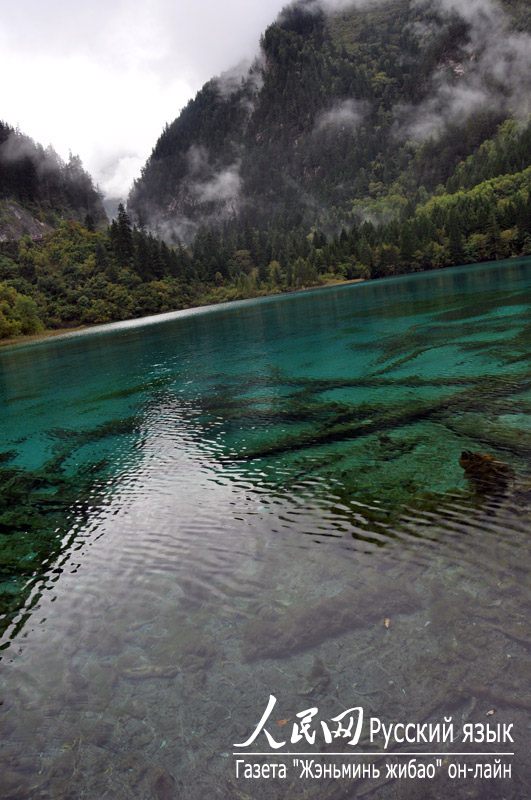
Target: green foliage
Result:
[290, 176]
[80, 276]
[18, 313]
[327, 193]
[279, 124]
[324, 192]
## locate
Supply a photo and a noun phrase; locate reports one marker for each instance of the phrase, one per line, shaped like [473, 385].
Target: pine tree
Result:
[123, 237]
[456, 247]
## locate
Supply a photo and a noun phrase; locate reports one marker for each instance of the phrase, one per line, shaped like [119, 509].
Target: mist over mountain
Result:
[351, 112]
[37, 187]
[364, 140]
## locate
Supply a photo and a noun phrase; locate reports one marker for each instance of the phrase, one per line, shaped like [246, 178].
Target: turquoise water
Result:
[200, 510]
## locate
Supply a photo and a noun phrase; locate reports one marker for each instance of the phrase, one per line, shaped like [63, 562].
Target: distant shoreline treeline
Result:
[76, 275]
[307, 169]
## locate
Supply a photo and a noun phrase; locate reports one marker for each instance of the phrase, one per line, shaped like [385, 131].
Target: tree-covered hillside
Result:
[340, 107]
[75, 276]
[385, 138]
[37, 187]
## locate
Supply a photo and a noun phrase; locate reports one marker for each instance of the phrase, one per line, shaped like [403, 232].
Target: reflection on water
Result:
[197, 513]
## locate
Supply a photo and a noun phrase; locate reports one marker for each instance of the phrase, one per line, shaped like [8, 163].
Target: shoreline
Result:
[29, 338]
[32, 338]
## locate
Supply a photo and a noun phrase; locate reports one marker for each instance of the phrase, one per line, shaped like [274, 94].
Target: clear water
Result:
[201, 510]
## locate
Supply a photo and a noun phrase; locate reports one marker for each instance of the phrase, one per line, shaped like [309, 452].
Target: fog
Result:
[102, 79]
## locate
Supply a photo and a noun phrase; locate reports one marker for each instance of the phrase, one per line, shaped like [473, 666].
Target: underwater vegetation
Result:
[42, 509]
[427, 405]
[408, 442]
[476, 408]
[326, 498]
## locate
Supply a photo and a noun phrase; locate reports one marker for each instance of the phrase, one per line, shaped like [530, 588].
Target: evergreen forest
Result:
[360, 143]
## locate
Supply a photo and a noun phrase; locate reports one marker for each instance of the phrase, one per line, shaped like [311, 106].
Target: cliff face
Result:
[16, 221]
[340, 110]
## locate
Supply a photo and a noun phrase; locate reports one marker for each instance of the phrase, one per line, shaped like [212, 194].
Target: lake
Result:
[269, 498]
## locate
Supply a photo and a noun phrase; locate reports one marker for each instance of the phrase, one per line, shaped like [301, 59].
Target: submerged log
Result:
[364, 420]
[150, 672]
[304, 627]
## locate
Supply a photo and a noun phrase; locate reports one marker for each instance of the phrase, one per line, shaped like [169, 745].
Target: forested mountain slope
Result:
[61, 263]
[340, 106]
[386, 137]
[37, 188]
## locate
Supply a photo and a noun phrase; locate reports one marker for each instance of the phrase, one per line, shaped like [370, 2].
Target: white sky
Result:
[102, 77]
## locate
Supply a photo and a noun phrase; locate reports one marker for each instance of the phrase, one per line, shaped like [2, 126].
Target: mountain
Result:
[369, 140]
[61, 263]
[37, 188]
[340, 133]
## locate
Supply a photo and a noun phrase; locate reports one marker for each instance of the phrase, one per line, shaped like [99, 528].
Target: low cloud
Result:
[18, 147]
[208, 193]
[197, 160]
[345, 5]
[493, 73]
[448, 104]
[180, 230]
[247, 75]
[232, 80]
[224, 188]
[345, 115]
[208, 184]
[118, 174]
[122, 69]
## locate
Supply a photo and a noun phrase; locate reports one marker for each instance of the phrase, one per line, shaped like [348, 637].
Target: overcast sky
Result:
[102, 77]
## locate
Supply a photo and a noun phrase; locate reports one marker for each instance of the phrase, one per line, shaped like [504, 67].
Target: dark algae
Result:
[38, 509]
[486, 473]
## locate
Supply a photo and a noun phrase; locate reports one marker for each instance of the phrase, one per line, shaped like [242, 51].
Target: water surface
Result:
[201, 510]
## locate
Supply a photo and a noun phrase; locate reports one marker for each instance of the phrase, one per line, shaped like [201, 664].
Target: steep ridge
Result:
[341, 109]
